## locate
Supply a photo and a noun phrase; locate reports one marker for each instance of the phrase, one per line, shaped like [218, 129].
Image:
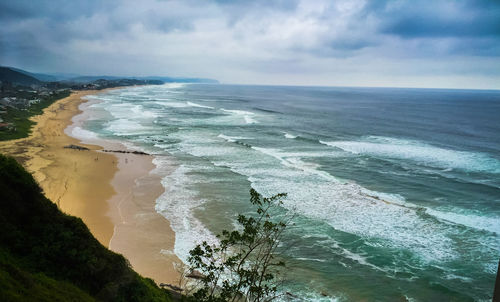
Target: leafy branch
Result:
[245, 265]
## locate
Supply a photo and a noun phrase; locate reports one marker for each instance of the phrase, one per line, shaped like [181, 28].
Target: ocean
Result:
[396, 192]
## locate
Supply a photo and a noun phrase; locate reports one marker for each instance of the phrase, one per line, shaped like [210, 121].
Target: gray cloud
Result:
[413, 19]
[259, 41]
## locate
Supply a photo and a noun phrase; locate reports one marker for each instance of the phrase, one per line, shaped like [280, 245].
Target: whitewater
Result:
[396, 191]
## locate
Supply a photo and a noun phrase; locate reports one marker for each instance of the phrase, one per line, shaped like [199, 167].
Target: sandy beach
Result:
[113, 193]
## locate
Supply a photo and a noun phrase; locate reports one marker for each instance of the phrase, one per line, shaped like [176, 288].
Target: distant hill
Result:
[181, 80]
[39, 76]
[88, 79]
[46, 255]
[23, 77]
[17, 78]
[61, 76]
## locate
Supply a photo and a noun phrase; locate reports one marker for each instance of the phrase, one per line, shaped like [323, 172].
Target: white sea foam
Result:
[227, 138]
[176, 204]
[140, 112]
[90, 97]
[384, 222]
[231, 139]
[316, 194]
[123, 127]
[410, 299]
[176, 104]
[293, 160]
[388, 197]
[249, 120]
[238, 112]
[173, 104]
[357, 258]
[247, 115]
[174, 85]
[128, 111]
[421, 153]
[98, 97]
[469, 219]
[462, 278]
[199, 106]
[347, 207]
[83, 134]
[381, 222]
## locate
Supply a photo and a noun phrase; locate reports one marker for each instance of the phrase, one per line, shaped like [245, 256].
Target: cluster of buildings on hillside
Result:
[4, 125]
[23, 98]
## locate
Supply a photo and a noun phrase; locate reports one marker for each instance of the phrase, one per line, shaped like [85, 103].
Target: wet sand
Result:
[114, 194]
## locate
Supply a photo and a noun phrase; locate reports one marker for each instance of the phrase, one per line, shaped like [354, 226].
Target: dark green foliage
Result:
[245, 264]
[18, 285]
[20, 118]
[53, 248]
[13, 76]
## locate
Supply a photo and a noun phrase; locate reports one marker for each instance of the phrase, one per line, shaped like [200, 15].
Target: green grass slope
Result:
[20, 118]
[46, 255]
[17, 284]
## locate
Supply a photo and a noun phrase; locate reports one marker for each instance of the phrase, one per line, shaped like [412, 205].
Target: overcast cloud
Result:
[351, 43]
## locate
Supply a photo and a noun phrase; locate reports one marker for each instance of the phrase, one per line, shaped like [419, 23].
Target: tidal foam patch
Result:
[420, 153]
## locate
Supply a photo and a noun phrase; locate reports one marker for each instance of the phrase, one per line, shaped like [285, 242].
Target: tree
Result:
[245, 264]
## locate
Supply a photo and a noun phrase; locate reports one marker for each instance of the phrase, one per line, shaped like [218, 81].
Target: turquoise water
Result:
[397, 191]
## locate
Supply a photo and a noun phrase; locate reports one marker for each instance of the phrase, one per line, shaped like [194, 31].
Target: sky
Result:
[435, 44]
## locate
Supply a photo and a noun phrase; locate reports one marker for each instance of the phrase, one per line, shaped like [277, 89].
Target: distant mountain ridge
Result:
[15, 77]
[23, 77]
[39, 76]
[181, 80]
[86, 79]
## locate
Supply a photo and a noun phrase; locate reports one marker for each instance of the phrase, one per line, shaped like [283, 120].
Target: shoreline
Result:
[114, 194]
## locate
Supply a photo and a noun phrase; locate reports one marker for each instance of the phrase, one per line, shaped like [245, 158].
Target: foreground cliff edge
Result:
[46, 255]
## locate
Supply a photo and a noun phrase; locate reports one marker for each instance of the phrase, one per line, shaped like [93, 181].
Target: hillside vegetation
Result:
[46, 255]
[16, 77]
[19, 119]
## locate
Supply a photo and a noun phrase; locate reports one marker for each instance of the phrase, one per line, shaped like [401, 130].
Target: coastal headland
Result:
[113, 193]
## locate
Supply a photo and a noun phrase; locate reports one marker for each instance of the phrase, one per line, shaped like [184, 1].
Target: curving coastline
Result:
[113, 193]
